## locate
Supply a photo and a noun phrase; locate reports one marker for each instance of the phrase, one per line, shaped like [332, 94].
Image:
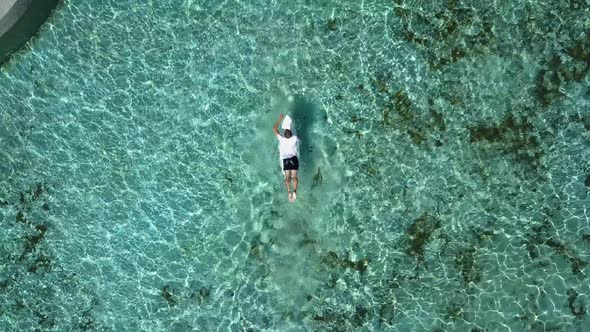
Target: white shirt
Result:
[288, 146]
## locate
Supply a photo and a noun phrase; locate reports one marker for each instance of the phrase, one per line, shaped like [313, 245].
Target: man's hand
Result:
[281, 116]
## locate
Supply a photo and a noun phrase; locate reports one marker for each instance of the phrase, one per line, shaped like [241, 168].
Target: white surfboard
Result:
[287, 121]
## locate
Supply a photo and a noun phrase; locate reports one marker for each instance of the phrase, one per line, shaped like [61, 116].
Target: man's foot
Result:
[292, 197]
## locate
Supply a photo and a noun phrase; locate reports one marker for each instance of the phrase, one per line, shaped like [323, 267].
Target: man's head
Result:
[288, 133]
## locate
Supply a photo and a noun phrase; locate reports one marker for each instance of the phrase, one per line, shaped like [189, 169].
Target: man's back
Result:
[288, 146]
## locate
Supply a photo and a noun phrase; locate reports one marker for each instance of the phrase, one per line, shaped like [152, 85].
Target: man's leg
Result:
[288, 181]
[294, 176]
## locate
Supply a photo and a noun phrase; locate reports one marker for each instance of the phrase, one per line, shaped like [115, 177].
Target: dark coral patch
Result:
[465, 262]
[386, 313]
[419, 233]
[87, 322]
[540, 235]
[41, 262]
[332, 320]
[38, 191]
[498, 133]
[577, 264]
[332, 24]
[454, 311]
[513, 136]
[45, 321]
[578, 309]
[549, 81]
[32, 241]
[360, 316]
[202, 295]
[332, 260]
[556, 73]
[586, 118]
[398, 112]
[447, 35]
[402, 105]
[20, 218]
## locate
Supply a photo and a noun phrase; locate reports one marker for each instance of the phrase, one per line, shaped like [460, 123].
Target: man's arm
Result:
[276, 127]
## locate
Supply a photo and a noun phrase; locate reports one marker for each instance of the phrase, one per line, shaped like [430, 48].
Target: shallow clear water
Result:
[444, 180]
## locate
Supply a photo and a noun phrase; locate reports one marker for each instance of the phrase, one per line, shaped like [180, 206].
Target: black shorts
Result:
[291, 164]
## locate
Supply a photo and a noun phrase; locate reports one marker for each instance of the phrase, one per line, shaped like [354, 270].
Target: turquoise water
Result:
[444, 183]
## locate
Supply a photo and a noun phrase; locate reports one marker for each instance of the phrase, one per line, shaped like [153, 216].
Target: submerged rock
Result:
[168, 296]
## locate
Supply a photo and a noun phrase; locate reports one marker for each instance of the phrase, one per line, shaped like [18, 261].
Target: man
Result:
[288, 152]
